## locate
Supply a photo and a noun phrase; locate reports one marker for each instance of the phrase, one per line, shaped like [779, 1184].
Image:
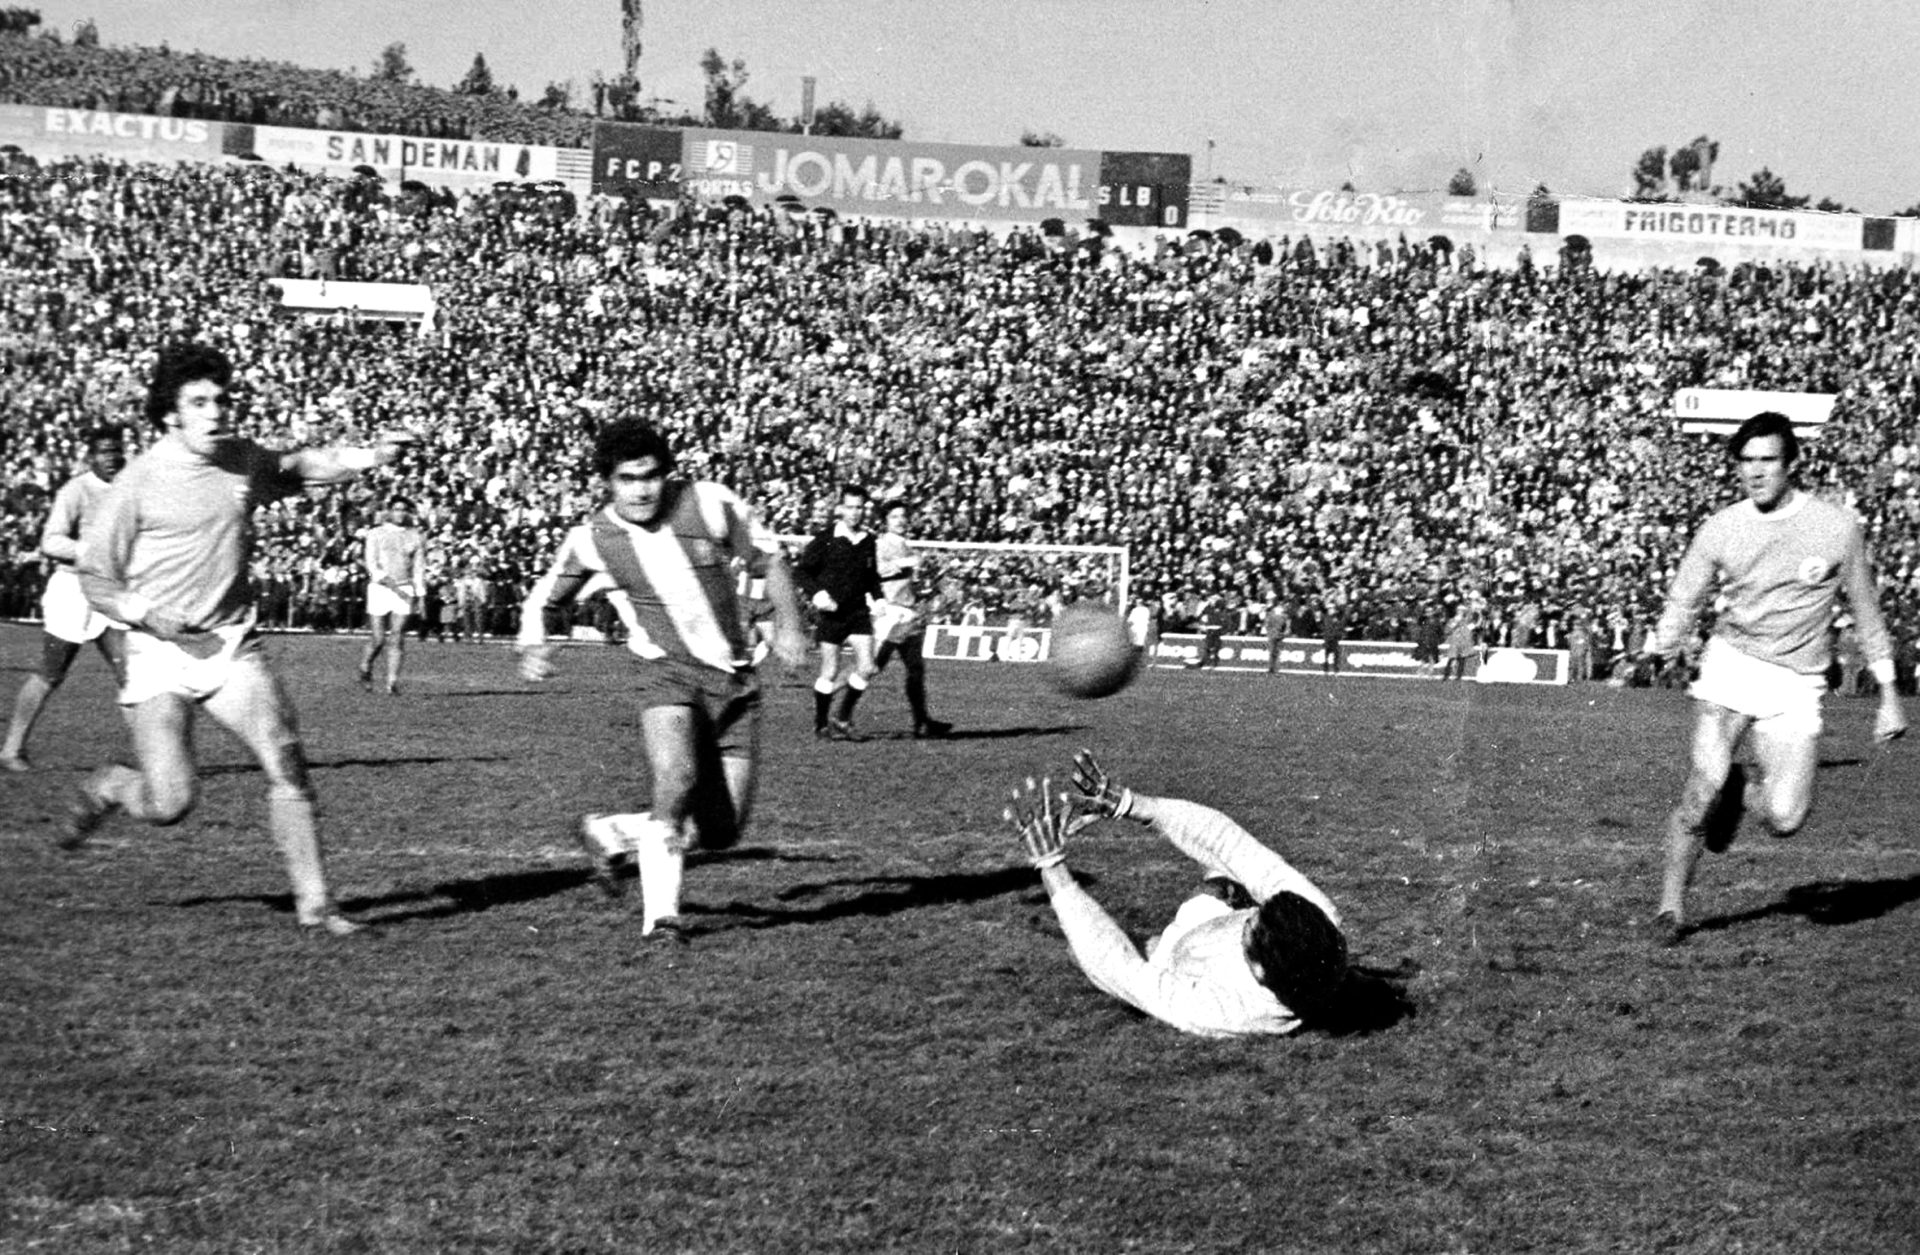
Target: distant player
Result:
[167, 555]
[67, 621]
[839, 574]
[395, 556]
[666, 548]
[900, 623]
[1780, 560]
[1256, 949]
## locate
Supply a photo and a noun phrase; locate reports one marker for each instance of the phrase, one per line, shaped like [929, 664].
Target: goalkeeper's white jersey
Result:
[1195, 976]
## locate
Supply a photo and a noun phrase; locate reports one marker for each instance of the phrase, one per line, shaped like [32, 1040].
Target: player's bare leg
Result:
[255, 707]
[376, 641]
[1781, 791]
[56, 659]
[160, 791]
[1716, 734]
[661, 840]
[397, 652]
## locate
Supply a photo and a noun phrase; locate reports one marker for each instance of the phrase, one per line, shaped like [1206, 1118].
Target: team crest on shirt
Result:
[1815, 570]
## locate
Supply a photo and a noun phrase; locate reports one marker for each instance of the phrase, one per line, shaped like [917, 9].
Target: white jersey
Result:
[1196, 975]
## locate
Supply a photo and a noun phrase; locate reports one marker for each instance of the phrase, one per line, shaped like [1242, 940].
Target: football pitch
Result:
[877, 1039]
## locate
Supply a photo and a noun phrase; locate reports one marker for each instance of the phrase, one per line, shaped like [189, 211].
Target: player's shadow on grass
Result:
[1005, 734]
[334, 764]
[482, 893]
[452, 897]
[1829, 903]
[873, 897]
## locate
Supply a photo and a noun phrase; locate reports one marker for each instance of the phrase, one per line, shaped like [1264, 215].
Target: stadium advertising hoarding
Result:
[1301, 656]
[1298, 656]
[1319, 211]
[458, 163]
[889, 178]
[1719, 411]
[50, 132]
[642, 160]
[1712, 225]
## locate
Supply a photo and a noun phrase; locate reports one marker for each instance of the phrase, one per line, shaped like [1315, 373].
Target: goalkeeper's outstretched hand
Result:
[1096, 790]
[1043, 826]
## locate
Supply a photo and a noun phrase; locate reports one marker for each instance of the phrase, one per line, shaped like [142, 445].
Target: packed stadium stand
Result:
[1257, 420]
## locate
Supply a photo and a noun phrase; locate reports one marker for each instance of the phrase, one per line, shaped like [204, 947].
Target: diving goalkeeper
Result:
[1256, 949]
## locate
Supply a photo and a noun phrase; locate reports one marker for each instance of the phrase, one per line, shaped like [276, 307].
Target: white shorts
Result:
[66, 613]
[382, 600]
[894, 622]
[156, 667]
[1784, 700]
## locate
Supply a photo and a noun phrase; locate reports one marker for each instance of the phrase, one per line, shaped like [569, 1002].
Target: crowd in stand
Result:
[1406, 433]
[164, 83]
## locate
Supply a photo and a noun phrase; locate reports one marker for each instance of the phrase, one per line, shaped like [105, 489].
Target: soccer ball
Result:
[1090, 654]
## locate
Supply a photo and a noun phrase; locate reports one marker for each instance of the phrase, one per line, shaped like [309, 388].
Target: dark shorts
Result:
[834, 629]
[730, 702]
[56, 657]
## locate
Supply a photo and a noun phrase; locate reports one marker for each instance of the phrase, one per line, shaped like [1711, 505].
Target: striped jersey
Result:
[1780, 573]
[672, 581]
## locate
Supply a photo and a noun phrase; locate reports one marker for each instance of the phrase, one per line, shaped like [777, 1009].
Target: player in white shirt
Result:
[67, 621]
[395, 556]
[1780, 561]
[168, 555]
[1257, 950]
[666, 549]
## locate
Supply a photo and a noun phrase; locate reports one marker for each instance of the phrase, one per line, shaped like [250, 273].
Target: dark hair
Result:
[898, 503]
[106, 433]
[1301, 953]
[851, 489]
[1769, 423]
[178, 366]
[629, 440]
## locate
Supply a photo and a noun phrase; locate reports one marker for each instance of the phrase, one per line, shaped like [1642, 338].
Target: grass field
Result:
[877, 1040]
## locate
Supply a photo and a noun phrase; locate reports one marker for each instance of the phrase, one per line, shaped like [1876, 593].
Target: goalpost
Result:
[984, 594]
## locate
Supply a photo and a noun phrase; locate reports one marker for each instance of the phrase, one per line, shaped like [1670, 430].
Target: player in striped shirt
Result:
[67, 621]
[1780, 561]
[666, 547]
[1257, 950]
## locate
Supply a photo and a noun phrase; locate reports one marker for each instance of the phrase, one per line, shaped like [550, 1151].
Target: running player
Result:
[67, 621]
[1780, 560]
[665, 548]
[167, 555]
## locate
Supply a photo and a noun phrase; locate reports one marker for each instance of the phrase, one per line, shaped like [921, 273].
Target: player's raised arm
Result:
[1205, 835]
[334, 464]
